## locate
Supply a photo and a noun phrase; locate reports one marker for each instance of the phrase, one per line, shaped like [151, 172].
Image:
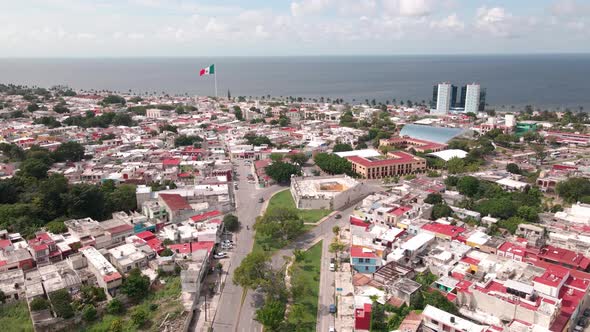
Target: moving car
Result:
[338, 216]
[260, 200]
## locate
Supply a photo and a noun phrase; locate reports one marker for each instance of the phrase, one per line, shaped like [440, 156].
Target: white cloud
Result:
[305, 7]
[135, 36]
[215, 26]
[409, 8]
[569, 8]
[357, 7]
[495, 21]
[451, 22]
[85, 36]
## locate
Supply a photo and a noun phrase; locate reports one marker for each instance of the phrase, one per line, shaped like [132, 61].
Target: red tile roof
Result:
[564, 256]
[145, 235]
[175, 202]
[112, 276]
[120, 229]
[186, 248]
[206, 215]
[357, 251]
[171, 162]
[448, 230]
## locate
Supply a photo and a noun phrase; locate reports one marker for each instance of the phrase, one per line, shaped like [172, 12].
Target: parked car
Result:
[332, 329]
[338, 216]
[332, 308]
[220, 255]
[260, 200]
[332, 267]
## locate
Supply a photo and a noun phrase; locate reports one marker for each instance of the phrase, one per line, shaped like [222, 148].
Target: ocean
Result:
[546, 81]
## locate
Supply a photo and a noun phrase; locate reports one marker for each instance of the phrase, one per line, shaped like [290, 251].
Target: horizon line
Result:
[298, 56]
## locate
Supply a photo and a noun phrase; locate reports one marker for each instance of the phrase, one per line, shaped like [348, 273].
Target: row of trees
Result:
[490, 199]
[333, 164]
[33, 198]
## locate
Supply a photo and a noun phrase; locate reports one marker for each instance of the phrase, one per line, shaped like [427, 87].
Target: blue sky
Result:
[113, 28]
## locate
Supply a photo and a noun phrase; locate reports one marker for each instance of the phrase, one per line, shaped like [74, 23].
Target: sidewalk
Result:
[211, 303]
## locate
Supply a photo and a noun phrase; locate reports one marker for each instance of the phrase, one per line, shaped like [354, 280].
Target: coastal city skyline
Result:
[68, 28]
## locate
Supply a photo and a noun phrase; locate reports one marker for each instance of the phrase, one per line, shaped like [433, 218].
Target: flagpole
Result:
[215, 73]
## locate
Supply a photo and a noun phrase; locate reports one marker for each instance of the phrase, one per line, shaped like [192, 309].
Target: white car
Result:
[220, 255]
[332, 329]
[332, 267]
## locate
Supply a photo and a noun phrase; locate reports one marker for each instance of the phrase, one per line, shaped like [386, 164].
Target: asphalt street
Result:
[248, 208]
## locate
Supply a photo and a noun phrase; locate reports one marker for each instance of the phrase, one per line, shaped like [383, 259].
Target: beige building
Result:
[398, 163]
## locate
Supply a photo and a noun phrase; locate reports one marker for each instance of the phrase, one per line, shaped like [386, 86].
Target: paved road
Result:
[321, 232]
[248, 208]
[326, 295]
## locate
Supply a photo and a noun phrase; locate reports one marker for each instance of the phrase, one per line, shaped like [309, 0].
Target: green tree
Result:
[468, 185]
[433, 198]
[513, 168]
[271, 315]
[456, 165]
[441, 211]
[332, 164]
[299, 158]
[166, 253]
[85, 200]
[122, 198]
[61, 301]
[252, 271]
[69, 151]
[61, 108]
[528, 213]
[115, 307]
[342, 147]
[139, 316]
[281, 172]
[32, 107]
[511, 224]
[573, 189]
[38, 304]
[35, 168]
[136, 285]
[184, 140]
[89, 313]
[114, 99]
[231, 222]
[281, 224]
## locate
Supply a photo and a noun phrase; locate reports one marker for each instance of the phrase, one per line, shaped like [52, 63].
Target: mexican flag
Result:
[207, 70]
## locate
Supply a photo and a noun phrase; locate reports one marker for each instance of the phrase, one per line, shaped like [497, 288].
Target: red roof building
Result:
[362, 317]
[206, 216]
[444, 231]
[397, 163]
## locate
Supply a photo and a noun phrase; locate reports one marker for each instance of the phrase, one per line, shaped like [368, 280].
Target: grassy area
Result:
[306, 287]
[15, 317]
[164, 301]
[285, 200]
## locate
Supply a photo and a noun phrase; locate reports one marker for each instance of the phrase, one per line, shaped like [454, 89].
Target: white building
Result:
[106, 274]
[472, 97]
[434, 319]
[443, 99]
